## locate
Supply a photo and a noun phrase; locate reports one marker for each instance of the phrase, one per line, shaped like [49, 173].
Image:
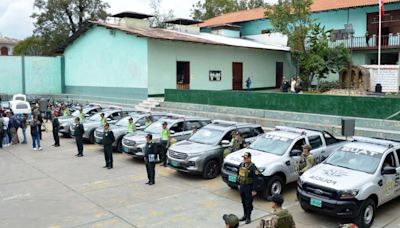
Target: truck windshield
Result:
[156, 128]
[355, 161]
[95, 117]
[207, 136]
[271, 144]
[125, 121]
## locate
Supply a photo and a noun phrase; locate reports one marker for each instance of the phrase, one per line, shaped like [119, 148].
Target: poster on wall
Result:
[215, 75]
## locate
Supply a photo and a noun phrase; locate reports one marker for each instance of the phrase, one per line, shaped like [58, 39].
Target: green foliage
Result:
[31, 46]
[159, 17]
[203, 10]
[56, 20]
[325, 86]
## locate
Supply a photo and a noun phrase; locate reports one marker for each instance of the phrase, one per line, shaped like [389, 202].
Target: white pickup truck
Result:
[276, 154]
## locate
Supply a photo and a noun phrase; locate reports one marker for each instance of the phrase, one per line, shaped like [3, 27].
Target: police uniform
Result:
[108, 140]
[103, 122]
[248, 182]
[280, 218]
[131, 128]
[164, 145]
[147, 123]
[56, 128]
[81, 117]
[150, 154]
[79, 130]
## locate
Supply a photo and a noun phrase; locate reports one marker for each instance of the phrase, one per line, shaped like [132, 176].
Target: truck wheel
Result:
[275, 185]
[119, 146]
[91, 138]
[367, 214]
[211, 169]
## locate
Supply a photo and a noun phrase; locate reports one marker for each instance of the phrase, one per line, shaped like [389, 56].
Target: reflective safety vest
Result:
[66, 112]
[103, 122]
[81, 117]
[164, 135]
[131, 128]
[147, 123]
[244, 175]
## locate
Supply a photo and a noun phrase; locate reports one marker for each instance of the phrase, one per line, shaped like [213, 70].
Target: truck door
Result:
[397, 180]
[317, 147]
[294, 160]
[387, 188]
[179, 134]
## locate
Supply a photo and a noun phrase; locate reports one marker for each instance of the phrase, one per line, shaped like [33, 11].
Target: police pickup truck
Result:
[277, 154]
[356, 179]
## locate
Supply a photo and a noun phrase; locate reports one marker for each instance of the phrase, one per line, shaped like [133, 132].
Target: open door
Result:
[278, 74]
[237, 76]
[183, 75]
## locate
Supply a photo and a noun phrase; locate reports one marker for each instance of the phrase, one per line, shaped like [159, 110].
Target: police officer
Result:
[150, 157]
[81, 116]
[103, 120]
[79, 130]
[247, 185]
[108, 140]
[148, 121]
[307, 160]
[56, 128]
[131, 126]
[281, 218]
[164, 143]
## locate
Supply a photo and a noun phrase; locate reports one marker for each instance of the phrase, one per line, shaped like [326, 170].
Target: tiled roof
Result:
[259, 13]
[7, 40]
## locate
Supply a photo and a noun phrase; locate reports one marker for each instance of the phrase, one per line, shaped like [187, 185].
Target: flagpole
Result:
[379, 36]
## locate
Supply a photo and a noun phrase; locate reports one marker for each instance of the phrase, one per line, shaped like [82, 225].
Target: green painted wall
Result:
[11, 74]
[42, 75]
[107, 62]
[163, 55]
[369, 107]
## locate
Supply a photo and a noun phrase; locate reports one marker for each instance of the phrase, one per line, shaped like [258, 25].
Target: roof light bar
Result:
[224, 122]
[380, 142]
[291, 129]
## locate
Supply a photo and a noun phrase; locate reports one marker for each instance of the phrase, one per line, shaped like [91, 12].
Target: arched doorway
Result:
[4, 51]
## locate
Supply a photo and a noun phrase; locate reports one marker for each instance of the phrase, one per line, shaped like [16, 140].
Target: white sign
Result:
[388, 77]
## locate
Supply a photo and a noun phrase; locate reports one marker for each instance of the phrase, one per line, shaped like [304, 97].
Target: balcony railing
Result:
[371, 42]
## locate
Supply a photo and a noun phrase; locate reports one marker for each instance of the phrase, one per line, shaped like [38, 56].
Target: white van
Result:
[21, 107]
[18, 97]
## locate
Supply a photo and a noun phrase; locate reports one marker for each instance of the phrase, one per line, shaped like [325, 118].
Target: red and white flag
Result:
[382, 9]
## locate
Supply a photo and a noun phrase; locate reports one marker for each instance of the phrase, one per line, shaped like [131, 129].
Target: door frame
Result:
[233, 75]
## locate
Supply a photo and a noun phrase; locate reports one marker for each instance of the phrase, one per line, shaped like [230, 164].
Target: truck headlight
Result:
[300, 182]
[349, 194]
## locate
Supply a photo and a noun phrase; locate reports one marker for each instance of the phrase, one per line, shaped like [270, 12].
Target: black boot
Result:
[248, 221]
[242, 218]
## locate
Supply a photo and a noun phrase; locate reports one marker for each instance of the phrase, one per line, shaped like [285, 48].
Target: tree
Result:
[31, 46]
[203, 10]
[56, 20]
[159, 17]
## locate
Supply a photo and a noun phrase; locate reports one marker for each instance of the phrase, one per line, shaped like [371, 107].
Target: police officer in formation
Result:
[79, 130]
[248, 183]
[281, 218]
[131, 126]
[108, 140]
[103, 120]
[56, 128]
[150, 158]
[307, 160]
[164, 143]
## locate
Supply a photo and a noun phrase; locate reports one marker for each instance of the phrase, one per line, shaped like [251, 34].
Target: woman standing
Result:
[35, 129]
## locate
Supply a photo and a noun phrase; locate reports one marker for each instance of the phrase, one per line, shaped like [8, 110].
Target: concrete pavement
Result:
[53, 188]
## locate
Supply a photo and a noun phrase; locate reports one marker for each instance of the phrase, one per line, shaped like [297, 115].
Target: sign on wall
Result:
[215, 75]
[388, 77]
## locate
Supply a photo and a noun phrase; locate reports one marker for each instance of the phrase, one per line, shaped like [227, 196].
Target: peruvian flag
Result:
[382, 9]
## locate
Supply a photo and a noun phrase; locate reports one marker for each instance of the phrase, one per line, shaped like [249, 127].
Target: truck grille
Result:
[231, 168]
[128, 142]
[99, 134]
[177, 155]
[320, 191]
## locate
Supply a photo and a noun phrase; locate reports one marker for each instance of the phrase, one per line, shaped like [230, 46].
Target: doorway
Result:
[237, 76]
[278, 74]
[183, 75]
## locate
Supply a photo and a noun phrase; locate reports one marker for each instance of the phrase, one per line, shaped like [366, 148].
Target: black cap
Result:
[276, 198]
[247, 155]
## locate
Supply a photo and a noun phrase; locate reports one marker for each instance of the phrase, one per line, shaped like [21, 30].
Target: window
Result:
[205, 122]
[258, 131]
[398, 155]
[115, 116]
[298, 145]
[177, 127]
[22, 106]
[141, 121]
[190, 124]
[245, 133]
[266, 31]
[389, 161]
[315, 141]
[156, 118]
[228, 136]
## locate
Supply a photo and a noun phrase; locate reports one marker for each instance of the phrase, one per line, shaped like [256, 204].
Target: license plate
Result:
[125, 149]
[232, 178]
[316, 202]
[174, 163]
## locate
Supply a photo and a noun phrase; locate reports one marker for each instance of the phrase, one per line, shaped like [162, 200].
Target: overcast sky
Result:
[15, 18]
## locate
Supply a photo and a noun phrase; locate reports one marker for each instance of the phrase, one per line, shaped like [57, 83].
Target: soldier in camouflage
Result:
[281, 218]
[307, 160]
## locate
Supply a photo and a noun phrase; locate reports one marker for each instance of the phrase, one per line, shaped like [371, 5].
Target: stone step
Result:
[271, 123]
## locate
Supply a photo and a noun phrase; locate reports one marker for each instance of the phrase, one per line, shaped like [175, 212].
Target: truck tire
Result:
[211, 169]
[119, 145]
[367, 214]
[274, 185]
[91, 138]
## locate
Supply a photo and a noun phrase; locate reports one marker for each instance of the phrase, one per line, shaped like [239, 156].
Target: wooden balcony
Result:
[370, 43]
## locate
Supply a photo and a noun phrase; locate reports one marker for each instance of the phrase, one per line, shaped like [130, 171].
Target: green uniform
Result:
[306, 163]
[147, 123]
[280, 219]
[131, 128]
[81, 117]
[66, 112]
[164, 145]
[103, 122]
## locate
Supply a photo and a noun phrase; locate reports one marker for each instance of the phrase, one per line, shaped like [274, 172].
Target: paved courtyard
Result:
[53, 188]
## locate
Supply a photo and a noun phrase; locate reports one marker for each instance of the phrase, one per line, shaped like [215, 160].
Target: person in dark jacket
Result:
[35, 129]
[248, 183]
[40, 119]
[150, 158]
[56, 128]
[1, 131]
[24, 126]
[108, 140]
[14, 125]
[79, 130]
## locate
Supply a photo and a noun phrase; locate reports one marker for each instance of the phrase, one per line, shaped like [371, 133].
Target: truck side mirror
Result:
[388, 171]
[225, 143]
[295, 152]
[172, 132]
[137, 125]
